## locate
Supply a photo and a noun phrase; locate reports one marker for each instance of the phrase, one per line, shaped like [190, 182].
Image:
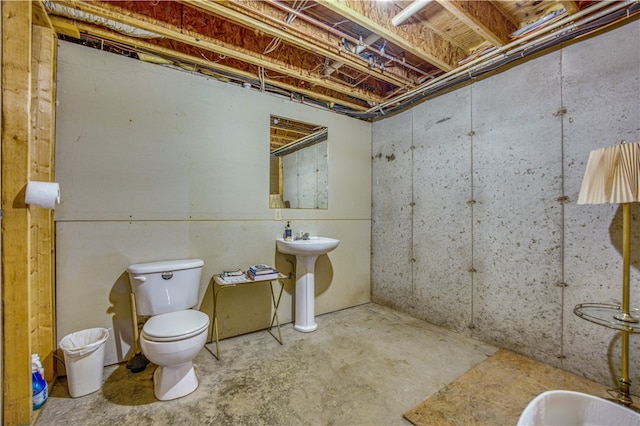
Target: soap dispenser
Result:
[287, 232]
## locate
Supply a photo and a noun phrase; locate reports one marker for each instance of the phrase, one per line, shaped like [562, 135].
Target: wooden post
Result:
[41, 256]
[16, 127]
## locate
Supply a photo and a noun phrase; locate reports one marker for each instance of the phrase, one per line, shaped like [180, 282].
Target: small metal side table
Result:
[220, 284]
[616, 318]
[606, 315]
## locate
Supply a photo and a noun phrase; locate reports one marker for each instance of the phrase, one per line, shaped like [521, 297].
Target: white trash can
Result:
[84, 360]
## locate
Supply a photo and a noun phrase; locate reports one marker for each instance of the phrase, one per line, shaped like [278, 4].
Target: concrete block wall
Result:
[474, 220]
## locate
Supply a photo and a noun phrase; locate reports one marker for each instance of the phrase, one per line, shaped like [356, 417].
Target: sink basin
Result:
[314, 246]
[306, 253]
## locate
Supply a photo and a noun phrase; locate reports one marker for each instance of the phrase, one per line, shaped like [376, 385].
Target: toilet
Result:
[174, 334]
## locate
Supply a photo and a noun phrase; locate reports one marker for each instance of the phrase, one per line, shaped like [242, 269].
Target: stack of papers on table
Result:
[233, 277]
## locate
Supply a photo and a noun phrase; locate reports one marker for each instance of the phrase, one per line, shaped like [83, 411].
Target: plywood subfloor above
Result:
[358, 57]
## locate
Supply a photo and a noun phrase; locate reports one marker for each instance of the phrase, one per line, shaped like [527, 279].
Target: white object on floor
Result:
[175, 333]
[84, 360]
[559, 407]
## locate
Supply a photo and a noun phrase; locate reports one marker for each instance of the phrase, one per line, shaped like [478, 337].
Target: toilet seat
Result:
[175, 326]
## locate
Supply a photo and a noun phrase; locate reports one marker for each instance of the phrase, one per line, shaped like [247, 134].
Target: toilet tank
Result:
[166, 286]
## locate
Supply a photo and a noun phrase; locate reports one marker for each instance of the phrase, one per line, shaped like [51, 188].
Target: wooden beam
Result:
[68, 28]
[429, 26]
[502, 7]
[426, 45]
[40, 16]
[168, 53]
[16, 126]
[570, 6]
[206, 43]
[41, 258]
[483, 18]
[352, 61]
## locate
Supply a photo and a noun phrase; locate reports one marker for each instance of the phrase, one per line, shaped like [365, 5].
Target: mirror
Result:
[299, 175]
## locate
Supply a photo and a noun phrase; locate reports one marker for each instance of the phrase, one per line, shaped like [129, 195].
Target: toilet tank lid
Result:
[164, 266]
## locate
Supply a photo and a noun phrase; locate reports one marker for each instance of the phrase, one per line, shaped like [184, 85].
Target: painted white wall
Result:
[469, 227]
[156, 163]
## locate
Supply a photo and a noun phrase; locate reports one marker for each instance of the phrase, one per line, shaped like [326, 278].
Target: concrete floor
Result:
[365, 365]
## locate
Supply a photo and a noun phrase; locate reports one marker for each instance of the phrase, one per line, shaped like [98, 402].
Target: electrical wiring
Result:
[512, 52]
[565, 35]
[551, 33]
[275, 42]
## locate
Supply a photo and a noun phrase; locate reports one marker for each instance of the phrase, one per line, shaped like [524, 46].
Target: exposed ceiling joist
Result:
[426, 45]
[291, 35]
[483, 18]
[39, 15]
[343, 55]
[216, 46]
[65, 27]
[570, 6]
[169, 53]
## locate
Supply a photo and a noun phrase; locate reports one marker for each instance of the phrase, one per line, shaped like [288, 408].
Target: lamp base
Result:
[626, 317]
[624, 395]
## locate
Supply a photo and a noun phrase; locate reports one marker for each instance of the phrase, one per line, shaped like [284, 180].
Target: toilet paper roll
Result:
[43, 194]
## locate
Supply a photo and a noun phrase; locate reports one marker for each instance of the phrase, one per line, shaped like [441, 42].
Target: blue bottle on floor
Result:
[39, 386]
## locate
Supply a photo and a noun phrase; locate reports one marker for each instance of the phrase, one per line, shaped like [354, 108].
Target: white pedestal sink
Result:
[306, 252]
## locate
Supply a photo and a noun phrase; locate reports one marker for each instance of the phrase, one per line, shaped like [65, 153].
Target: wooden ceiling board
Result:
[527, 11]
[354, 61]
[226, 50]
[209, 62]
[342, 31]
[442, 19]
[312, 50]
[483, 18]
[426, 45]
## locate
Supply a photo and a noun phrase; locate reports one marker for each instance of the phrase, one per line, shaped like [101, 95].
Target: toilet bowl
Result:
[171, 341]
[166, 291]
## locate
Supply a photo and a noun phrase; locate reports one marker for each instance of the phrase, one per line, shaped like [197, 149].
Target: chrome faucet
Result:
[301, 236]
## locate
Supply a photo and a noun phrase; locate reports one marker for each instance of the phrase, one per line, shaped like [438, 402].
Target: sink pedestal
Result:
[305, 294]
[306, 253]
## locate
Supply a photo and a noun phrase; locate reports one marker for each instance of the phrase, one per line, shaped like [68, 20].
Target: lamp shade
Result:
[612, 175]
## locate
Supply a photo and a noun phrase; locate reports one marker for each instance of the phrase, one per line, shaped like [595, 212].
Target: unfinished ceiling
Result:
[361, 58]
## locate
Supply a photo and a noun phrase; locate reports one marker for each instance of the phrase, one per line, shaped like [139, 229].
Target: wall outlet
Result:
[278, 214]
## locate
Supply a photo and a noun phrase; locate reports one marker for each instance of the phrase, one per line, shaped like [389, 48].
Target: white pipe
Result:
[409, 11]
[485, 59]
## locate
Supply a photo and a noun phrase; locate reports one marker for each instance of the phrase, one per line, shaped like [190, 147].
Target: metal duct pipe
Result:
[409, 11]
